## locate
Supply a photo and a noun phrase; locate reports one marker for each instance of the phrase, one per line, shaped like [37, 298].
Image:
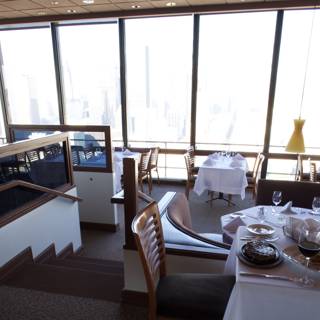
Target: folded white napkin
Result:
[238, 156]
[214, 155]
[293, 226]
[127, 152]
[287, 208]
[234, 224]
[235, 163]
[208, 162]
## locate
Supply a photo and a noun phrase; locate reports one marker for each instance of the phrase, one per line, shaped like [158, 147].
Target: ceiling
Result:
[11, 9]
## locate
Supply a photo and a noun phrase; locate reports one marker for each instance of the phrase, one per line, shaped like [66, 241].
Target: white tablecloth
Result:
[221, 176]
[264, 299]
[118, 165]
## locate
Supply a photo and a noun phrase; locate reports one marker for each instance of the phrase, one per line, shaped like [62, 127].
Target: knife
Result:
[271, 276]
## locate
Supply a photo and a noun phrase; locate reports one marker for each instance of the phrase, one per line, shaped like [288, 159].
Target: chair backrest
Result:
[191, 155]
[154, 157]
[256, 162]
[299, 172]
[189, 165]
[257, 168]
[313, 172]
[148, 234]
[301, 193]
[178, 213]
[144, 161]
[32, 156]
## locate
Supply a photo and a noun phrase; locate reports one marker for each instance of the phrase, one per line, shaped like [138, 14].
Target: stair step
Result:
[58, 279]
[111, 263]
[84, 265]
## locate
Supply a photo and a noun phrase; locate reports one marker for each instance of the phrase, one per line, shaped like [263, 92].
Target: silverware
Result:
[259, 238]
[271, 276]
[301, 281]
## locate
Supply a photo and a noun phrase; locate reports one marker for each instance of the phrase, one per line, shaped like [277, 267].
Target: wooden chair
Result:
[32, 156]
[143, 170]
[153, 164]
[249, 174]
[184, 296]
[191, 174]
[300, 175]
[252, 182]
[191, 154]
[313, 171]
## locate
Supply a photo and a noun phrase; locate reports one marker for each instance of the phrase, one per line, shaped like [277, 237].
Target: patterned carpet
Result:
[25, 304]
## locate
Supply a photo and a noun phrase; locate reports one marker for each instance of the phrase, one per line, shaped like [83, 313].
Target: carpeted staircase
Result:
[71, 275]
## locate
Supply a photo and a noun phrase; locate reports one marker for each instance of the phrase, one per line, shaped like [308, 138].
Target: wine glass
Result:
[276, 199]
[309, 246]
[316, 205]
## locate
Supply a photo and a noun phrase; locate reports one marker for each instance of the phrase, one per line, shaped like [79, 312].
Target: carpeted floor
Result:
[25, 304]
[205, 219]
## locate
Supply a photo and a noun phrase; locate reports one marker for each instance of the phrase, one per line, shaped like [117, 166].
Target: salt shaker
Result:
[261, 215]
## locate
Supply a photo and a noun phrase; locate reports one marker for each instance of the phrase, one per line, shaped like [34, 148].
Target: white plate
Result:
[260, 229]
[237, 214]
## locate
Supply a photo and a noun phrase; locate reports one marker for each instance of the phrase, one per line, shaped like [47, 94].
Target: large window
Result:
[2, 129]
[291, 73]
[235, 55]
[27, 64]
[158, 60]
[91, 79]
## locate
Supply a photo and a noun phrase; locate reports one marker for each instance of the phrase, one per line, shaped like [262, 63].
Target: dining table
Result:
[273, 291]
[223, 174]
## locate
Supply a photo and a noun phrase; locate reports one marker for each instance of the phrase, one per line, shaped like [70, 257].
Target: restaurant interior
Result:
[159, 160]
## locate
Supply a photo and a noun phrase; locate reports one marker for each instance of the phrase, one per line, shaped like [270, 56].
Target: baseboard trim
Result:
[46, 254]
[99, 226]
[15, 263]
[137, 298]
[66, 251]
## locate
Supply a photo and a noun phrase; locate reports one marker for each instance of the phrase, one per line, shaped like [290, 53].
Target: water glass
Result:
[261, 215]
[316, 205]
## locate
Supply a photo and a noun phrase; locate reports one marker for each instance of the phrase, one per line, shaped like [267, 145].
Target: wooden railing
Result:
[25, 184]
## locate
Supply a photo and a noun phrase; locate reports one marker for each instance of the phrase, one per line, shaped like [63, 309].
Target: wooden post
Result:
[130, 188]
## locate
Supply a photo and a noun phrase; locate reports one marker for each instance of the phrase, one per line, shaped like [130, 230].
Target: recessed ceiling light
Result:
[88, 1]
[171, 4]
[41, 13]
[135, 6]
[54, 3]
[71, 11]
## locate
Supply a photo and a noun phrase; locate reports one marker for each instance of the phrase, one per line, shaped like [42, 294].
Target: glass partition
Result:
[91, 75]
[43, 162]
[235, 55]
[158, 62]
[90, 145]
[29, 76]
[3, 138]
[290, 81]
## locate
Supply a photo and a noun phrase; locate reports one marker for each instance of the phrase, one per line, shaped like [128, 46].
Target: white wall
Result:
[96, 189]
[56, 221]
